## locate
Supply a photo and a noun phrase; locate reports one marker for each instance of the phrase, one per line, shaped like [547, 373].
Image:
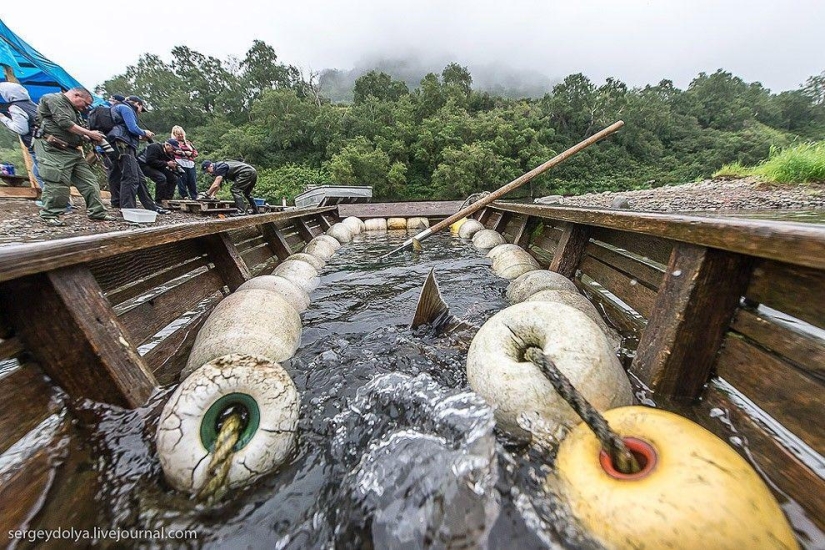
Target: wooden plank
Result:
[485, 215]
[786, 474]
[10, 347]
[304, 230]
[656, 249]
[638, 297]
[145, 319]
[75, 336]
[27, 400]
[803, 350]
[570, 250]
[132, 267]
[613, 314]
[323, 222]
[501, 223]
[257, 256]
[19, 193]
[692, 312]
[647, 274]
[169, 357]
[795, 243]
[227, 260]
[144, 285]
[782, 391]
[26, 259]
[276, 240]
[796, 291]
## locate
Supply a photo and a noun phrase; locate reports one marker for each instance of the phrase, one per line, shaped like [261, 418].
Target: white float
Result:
[469, 228]
[340, 232]
[415, 225]
[496, 251]
[487, 238]
[189, 423]
[542, 279]
[523, 399]
[332, 241]
[376, 225]
[394, 224]
[576, 300]
[296, 296]
[512, 264]
[355, 225]
[300, 273]
[251, 322]
[315, 261]
[320, 249]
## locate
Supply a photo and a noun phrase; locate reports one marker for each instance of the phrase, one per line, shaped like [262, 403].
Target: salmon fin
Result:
[431, 308]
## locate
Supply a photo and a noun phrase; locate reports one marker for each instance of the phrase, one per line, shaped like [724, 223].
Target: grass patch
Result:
[804, 163]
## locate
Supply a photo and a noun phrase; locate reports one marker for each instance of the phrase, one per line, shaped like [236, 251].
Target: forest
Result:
[444, 139]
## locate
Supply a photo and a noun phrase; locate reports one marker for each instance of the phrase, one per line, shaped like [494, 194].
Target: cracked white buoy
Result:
[537, 280]
[469, 228]
[300, 273]
[314, 261]
[296, 296]
[487, 238]
[252, 322]
[515, 387]
[259, 390]
[576, 300]
[502, 248]
[320, 249]
[414, 225]
[378, 225]
[355, 225]
[512, 264]
[340, 232]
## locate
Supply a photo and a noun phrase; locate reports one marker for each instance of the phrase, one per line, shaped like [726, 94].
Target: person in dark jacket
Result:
[243, 178]
[22, 112]
[125, 176]
[157, 162]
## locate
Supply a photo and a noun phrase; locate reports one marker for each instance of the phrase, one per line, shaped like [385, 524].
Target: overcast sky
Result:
[779, 43]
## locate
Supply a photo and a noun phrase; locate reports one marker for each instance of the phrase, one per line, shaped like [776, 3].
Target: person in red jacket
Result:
[185, 155]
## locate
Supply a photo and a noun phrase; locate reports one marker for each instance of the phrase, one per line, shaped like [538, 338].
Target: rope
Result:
[221, 460]
[475, 197]
[622, 458]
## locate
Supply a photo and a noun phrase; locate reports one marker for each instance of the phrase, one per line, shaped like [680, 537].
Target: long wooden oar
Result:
[516, 183]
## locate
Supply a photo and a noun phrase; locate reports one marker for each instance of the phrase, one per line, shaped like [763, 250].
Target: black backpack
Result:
[100, 119]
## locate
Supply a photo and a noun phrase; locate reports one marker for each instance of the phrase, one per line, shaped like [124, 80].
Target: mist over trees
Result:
[442, 137]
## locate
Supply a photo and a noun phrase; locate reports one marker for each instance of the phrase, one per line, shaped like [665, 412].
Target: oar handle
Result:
[524, 178]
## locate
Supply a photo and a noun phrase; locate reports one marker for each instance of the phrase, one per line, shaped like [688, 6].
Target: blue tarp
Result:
[36, 73]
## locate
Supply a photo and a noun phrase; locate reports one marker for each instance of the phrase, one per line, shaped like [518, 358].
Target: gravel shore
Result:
[19, 221]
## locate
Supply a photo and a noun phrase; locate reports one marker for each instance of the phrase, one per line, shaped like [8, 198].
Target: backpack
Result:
[100, 119]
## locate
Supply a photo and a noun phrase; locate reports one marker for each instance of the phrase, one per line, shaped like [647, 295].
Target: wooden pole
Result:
[515, 184]
[27, 158]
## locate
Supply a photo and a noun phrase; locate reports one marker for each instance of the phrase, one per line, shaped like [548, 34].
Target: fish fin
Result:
[416, 244]
[431, 307]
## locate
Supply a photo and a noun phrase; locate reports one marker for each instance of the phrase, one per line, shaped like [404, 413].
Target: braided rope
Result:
[622, 458]
[221, 460]
[475, 197]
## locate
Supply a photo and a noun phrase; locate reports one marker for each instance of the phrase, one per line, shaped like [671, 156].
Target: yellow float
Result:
[457, 225]
[693, 491]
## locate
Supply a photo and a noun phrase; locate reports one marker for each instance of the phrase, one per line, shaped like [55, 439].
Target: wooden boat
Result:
[729, 316]
[327, 195]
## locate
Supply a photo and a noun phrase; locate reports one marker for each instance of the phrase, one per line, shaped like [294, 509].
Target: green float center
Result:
[214, 417]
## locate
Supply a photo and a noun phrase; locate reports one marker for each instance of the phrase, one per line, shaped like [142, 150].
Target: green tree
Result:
[379, 85]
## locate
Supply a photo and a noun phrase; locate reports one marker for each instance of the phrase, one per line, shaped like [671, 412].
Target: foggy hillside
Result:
[498, 79]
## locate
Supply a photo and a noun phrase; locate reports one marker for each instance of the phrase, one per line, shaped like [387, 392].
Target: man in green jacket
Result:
[60, 158]
[243, 178]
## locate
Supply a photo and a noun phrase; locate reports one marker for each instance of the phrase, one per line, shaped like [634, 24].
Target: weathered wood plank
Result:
[428, 209]
[570, 250]
[485, 215]
[228, 262]
[304, 230]
[277, 241]
[169, 357]
[75, 336]
[257, 256]
[10, 347]
[26, 259]
[796, 291]
[131, 267]
[323, 222]
[27, 400]
[787, 475]
[644, 273]
[611, 312]
[692, 312]
[501, 223]
[145, 319]
[655, 249]
[796, 243]
[144, 285]
[805, 351]
[784, 392]
[638, 297]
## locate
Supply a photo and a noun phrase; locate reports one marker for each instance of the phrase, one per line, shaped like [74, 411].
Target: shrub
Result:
[287, 181]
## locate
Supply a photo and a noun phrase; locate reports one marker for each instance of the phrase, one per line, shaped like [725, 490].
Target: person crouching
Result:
[157, 162]
[243, 178]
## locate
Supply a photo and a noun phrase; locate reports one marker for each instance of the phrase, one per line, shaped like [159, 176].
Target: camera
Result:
[106, 147]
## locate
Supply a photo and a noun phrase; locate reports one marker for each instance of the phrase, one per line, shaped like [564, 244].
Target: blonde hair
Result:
[175, 130]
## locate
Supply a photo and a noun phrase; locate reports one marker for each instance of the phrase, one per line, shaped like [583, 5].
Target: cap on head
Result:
[173, 142]
[137, 99]
[118, 97]
[206, 164]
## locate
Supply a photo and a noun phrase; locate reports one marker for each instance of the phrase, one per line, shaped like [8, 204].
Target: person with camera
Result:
[157, 162]
[60, 159]
[125, 177]
[243, 178]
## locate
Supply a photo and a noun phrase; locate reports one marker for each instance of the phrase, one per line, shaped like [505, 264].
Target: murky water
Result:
[394, 450]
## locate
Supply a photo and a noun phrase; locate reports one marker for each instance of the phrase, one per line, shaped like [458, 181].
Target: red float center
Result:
[645, 455]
